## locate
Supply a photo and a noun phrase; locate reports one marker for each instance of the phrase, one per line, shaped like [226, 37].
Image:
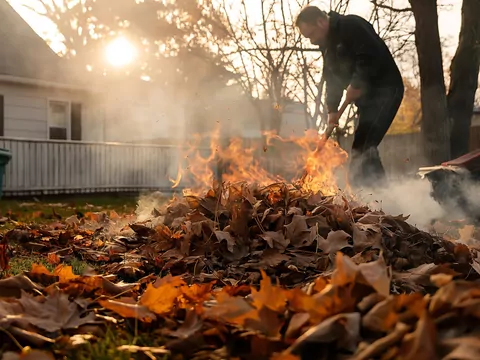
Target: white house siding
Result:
[26, 111]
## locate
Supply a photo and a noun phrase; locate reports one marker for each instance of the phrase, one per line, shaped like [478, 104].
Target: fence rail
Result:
[54, 167]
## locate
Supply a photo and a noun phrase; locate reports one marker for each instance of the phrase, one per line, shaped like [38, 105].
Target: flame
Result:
[291, 160]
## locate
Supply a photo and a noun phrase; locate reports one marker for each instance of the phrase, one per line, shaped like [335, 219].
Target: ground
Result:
[241, 272]
[58, 208]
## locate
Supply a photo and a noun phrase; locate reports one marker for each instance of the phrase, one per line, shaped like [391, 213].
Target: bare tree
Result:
[266, 53]
[464, 72]
[446, 118]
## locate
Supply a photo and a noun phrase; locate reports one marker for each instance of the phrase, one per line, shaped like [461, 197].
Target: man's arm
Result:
[368, 49]
[334, 90]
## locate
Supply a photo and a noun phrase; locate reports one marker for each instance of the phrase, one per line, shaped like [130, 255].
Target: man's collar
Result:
[333, 18]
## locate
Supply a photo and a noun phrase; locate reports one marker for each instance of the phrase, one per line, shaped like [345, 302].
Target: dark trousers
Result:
[375, 115]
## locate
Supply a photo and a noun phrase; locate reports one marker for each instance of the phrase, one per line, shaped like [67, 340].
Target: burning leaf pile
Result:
[243, 272]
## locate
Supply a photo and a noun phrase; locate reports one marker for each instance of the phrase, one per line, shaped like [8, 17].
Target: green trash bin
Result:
[5, 157]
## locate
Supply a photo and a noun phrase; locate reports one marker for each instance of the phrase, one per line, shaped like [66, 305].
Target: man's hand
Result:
[353, 94]
[333, 119]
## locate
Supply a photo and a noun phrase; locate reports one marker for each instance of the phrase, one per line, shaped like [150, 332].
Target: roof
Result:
[25, 54]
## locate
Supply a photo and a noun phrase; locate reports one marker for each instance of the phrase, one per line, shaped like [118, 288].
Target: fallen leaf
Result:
[128, 309]
[421, 344]
[162, 299]
[223, 235]
[344, 329]
[53, 313]
[64, 273]
[271, 297]
[336, 241]
[297, 232]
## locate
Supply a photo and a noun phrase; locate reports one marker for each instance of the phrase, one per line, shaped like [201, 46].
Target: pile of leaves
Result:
[244, 272]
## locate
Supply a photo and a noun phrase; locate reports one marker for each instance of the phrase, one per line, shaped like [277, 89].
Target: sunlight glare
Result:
[120, 52]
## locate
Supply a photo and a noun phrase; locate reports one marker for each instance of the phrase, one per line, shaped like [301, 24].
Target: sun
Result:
[120, 52]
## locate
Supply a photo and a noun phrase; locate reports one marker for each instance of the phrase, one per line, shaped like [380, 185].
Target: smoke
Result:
[149, 205]
[413, 197]
[408, 197]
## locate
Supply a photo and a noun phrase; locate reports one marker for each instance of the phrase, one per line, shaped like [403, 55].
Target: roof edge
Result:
[42, 83]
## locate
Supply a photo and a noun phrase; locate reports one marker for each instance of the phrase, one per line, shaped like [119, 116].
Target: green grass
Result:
[58, 208]
[21, 263]
[106, 348]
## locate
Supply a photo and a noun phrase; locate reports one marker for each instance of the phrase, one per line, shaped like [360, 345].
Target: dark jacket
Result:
[355, 54]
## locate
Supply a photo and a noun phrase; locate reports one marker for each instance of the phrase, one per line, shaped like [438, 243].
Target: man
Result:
[358, 60]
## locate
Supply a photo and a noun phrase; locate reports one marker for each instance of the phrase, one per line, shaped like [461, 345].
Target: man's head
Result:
[313, 24]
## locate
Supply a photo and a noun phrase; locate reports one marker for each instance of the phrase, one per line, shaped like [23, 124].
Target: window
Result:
[58, 120]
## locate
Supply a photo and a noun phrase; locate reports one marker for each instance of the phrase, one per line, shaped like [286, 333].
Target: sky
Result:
[449, 19]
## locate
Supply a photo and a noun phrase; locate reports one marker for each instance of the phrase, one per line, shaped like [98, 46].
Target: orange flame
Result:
[291, 158]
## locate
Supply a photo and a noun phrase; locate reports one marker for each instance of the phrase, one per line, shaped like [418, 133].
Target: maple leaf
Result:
[272, 297]
[162, 299]
[53, 313]
[64, 273]
[336, 240]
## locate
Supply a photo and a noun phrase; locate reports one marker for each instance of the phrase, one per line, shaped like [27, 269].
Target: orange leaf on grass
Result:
[64, 273]
[39, 269]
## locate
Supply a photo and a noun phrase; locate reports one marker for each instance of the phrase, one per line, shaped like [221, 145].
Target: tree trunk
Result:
[464, 78]
[435, 125]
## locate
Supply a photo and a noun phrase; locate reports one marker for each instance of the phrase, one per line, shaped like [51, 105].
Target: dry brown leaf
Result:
[297, 232]
[344, 329]
[233, 310]
[223, 235]
[386, 314]
[127, 308]
[53, 313]
[190, 326]
[12, 286]
[336, 241]
[345, 270]
[465, 348]
[275, 239]
[440, 279]
[377, 275]
[422, 343]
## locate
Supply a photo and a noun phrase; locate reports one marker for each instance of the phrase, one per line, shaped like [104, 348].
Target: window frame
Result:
[68, 117]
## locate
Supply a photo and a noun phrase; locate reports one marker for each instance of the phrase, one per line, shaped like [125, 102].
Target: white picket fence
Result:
[53, 167]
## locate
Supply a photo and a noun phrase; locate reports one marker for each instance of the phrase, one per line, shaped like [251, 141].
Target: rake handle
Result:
[330, 127]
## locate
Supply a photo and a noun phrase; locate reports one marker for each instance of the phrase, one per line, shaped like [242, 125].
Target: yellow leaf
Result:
[272, 297]
[162, 299]
[64, 273]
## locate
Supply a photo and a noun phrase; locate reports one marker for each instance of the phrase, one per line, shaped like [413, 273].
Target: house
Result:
[40, 97]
